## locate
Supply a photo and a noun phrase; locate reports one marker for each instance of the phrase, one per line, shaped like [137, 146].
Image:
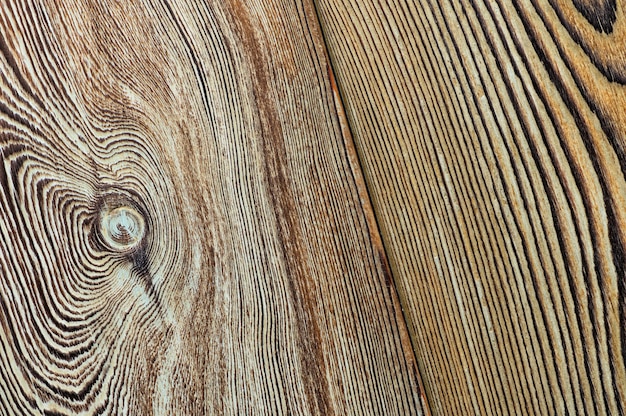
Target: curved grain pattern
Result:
[180, 226]
[492, 137]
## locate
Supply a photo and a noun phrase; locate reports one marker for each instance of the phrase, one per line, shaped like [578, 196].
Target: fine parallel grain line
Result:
[491, 136]
[183, 227]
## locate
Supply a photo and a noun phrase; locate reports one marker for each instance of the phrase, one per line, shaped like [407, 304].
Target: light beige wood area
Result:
[182, 229]
[492, 138]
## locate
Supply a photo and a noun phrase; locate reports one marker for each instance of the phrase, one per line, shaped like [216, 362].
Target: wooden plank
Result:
[182, 231]
[492, 138]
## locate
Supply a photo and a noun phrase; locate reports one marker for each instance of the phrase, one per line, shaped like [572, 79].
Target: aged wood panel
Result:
[492, 136]
[181, 228]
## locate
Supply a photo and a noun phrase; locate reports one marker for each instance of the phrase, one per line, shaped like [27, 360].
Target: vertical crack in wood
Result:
[373, 225]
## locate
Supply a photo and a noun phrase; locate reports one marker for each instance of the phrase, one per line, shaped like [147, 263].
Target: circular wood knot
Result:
[122, 228]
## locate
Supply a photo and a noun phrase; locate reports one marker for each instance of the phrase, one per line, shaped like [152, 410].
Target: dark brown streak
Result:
[551, 200]
[525, 244]
[282, 200]
[578, 181]
[617, 245]
[601, 14]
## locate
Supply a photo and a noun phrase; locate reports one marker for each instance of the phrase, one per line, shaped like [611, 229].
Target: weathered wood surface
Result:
[181, 228]
[492, 136]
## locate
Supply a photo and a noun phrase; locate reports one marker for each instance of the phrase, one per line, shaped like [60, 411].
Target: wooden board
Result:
[492, 137]
[182, 230]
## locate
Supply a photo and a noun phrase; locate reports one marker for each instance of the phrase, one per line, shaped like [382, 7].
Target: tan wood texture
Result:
[182, 228]
[492, 136]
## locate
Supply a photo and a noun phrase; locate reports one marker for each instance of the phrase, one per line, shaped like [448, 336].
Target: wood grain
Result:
[493, 136]
[182, 230]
